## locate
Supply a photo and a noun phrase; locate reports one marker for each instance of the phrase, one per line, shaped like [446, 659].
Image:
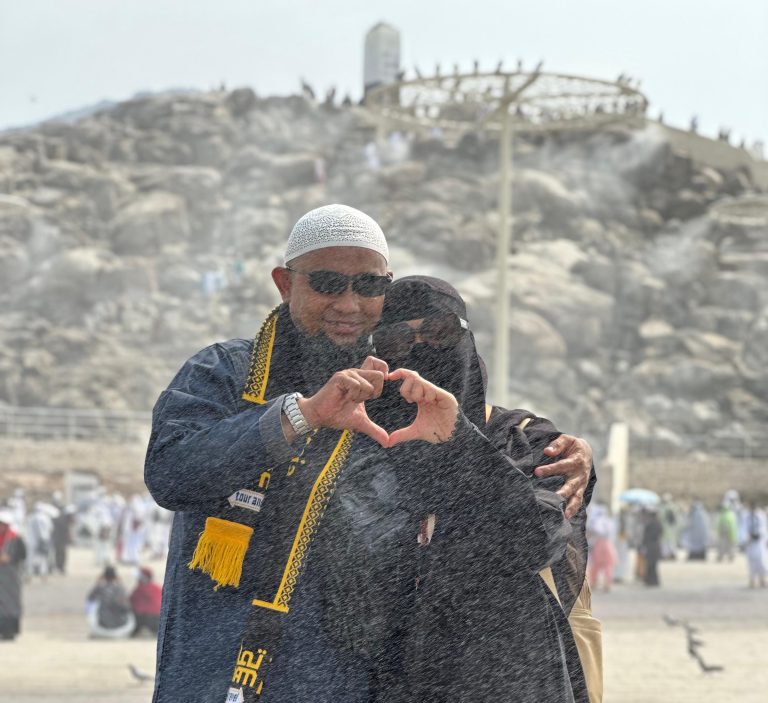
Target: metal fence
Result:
[747, 445]
[120, 426]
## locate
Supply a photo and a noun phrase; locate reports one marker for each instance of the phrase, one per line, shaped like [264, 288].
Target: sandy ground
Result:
[645, 660]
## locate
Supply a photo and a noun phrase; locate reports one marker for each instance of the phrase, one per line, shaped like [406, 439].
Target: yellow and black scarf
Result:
[276, 517]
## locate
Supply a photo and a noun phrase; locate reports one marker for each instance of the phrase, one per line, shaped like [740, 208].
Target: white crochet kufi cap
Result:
[335, 226]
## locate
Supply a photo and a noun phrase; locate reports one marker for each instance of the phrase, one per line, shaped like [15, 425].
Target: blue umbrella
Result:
[639, 496]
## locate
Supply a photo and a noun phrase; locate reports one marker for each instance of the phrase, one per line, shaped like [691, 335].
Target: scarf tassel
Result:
[221, 550]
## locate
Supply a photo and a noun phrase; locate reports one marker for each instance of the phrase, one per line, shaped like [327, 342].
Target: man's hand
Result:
[340, 403]
[575, 464]
[437, 410]
[371, 363]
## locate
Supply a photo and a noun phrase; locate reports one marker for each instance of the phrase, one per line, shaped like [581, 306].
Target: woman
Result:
[425, 577]
[697, 532]
[484, 625]
[145, 603]
[12, 555]
[602, 553]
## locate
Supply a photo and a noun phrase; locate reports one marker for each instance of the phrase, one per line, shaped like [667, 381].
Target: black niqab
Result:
[457, 370]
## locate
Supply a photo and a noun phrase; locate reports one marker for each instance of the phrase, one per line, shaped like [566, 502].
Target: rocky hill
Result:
[133, 237]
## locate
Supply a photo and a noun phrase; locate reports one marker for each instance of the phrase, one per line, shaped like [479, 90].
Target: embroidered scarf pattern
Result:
[260, 539]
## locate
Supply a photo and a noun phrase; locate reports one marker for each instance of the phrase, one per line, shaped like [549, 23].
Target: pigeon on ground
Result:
[138, 674]
[707, 668]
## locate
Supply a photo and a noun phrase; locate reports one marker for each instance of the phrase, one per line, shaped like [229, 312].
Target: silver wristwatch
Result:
[295, 416]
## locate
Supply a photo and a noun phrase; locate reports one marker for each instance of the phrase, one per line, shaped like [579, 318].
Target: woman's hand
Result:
[437, 413]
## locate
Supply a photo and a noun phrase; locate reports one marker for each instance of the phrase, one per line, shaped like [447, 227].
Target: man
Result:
[133, 530]
[756, 533]
[651, 545]
[727, 532]
[62, 525]
[669, 514]
[103, 526]
[108, 609]
[39, 534]
[246, 447]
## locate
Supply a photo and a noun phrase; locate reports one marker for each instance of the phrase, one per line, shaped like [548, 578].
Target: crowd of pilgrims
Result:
[35, 537]
[630, 544]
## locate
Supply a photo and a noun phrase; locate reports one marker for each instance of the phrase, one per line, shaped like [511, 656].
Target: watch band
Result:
[295, 416]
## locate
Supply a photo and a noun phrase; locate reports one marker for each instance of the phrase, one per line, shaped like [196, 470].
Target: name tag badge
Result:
[250, 500]
[235, 695]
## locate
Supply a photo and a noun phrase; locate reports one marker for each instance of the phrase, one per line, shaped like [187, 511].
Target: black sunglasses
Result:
[368, 285]
[441, 331]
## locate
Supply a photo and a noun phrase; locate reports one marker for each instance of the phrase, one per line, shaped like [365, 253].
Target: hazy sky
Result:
[704, 57]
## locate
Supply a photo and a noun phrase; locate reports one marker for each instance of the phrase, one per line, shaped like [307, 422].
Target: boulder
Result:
[106, 190]
[241, 101]
[199, 186]
[464, 194]
[531, 341]
[544, 285]
[253, 228]
[292, 171]
[15, 265]
[16, 216]
[68, 345]
[682, 376]
[69, 283]
[158, 148]
[403, 179]
[732, 324]
[179, 280]
[709, 346]
[746, 407]
[755, 351]
[537, 190]
[659, 338]
[684, 256]
[735, 291]
[246, 162]
[148, 223]
[473, 243]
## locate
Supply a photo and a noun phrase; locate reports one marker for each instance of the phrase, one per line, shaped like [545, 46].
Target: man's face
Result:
[343, 318]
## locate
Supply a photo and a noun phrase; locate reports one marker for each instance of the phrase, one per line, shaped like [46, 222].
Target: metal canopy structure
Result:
[536, 102]
[522, 101]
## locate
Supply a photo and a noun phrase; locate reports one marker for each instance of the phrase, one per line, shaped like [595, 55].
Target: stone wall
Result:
[39, 466]
[706, 478]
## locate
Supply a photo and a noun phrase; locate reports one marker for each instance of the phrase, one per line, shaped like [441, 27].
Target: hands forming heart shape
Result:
[340, 404]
